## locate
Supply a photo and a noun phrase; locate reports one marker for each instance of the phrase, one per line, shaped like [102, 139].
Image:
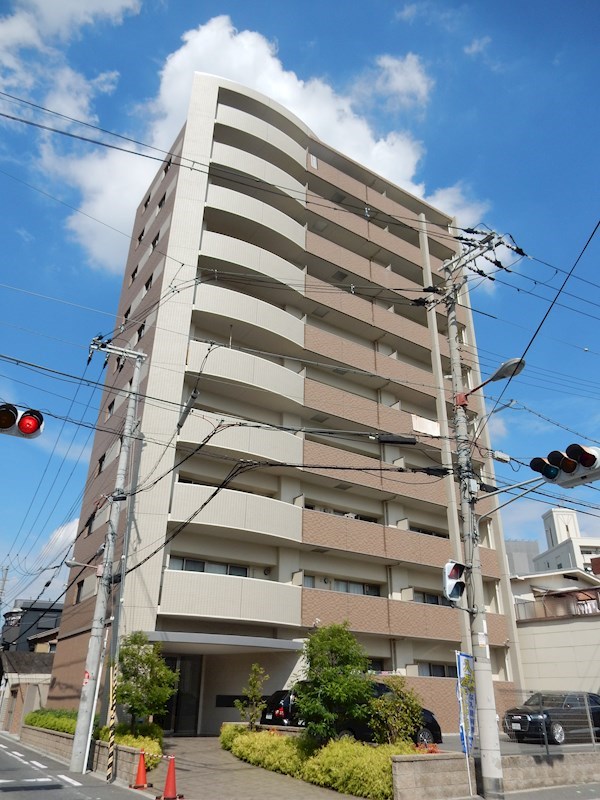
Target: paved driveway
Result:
[204, 771]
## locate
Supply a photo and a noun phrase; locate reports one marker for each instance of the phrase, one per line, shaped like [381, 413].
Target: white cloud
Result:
[454, 200]
[27, 582]
[408, 13]
[478, 46]
[248, 58]
[64, 18]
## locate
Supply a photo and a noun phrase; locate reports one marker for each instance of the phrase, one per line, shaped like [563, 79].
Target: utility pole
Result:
[93, 664]
[489, 740]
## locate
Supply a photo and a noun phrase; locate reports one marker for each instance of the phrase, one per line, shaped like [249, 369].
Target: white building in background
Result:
[567, 548]
[558, 627]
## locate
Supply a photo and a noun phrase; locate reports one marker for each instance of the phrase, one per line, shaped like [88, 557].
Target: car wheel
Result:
[425, 736]
[345, 733]
[557, 733]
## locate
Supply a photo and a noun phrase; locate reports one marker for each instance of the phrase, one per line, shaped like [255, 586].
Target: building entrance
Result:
[181, 717]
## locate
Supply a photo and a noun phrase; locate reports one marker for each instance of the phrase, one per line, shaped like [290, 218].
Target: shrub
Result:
[396, 716]
[252, 705]
[354, 768]
[229, 733]
[271, 750]
[152, 749]
[51, 719]
[148, 730]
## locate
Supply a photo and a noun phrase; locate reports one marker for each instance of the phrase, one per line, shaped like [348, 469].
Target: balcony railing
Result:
[573, 604]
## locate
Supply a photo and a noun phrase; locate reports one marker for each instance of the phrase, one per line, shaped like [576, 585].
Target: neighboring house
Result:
[278, 290]
[558, 625]
[23, 687]
[567, 548]
[26, 619]
[44, 642]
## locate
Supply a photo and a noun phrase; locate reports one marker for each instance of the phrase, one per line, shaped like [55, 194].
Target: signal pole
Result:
[489, 740]
[93, 664]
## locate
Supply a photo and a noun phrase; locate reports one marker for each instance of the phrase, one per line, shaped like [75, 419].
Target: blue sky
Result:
[488, 110]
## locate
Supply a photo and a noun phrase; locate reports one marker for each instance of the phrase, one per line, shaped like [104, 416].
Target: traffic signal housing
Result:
[576, 466]
[454, 583]
[25, 424]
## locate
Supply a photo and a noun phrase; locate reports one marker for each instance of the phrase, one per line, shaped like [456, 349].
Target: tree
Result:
[397, 715]
[252, 706]
[144, 681]
[336, 686]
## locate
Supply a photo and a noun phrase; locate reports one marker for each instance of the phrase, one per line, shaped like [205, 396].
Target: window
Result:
[141, 236]
[217, 568]
[110, 409]
[148, 285]
[127, 313]
[430, 598]
[155, 241]
[146, 201]
[100, 464]
[429, 670]
[141, 331]
[78, 592]
[89, 523]
[133, 276]
[309, 581]
[354, 587]
[162, 200]
[167, 166]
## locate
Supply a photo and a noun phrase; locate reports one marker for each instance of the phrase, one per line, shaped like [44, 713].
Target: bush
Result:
[396, 716]
[148, 730]
[65, 721]
[353, 768]
[152, 749]
[52, 719]
[344, 765]
[269, 749]
[229, 733]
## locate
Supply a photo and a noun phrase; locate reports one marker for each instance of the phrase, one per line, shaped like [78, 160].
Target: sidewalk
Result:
[206, 772]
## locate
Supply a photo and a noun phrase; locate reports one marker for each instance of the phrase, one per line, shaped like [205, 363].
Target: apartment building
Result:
[277, 289]
[567, 548]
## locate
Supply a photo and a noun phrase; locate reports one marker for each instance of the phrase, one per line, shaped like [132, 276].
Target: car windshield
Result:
[539, 700]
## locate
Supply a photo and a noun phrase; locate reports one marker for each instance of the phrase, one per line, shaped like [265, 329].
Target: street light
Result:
[508, 369]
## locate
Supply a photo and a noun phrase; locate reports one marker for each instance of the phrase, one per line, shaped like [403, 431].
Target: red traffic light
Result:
[586, 456]
[30, 422]
[27, 424]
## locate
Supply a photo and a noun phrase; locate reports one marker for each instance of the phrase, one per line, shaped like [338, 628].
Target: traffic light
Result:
[26, 424]
[575, 466]
[454, 585]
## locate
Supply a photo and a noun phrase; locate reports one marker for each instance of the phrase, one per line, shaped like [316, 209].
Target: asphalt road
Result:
[25, 774]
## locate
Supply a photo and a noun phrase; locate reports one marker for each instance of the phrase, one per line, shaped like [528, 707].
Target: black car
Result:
[563, 714]
[281, 710]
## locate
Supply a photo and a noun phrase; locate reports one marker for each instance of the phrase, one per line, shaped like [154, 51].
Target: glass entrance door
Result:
[181, 717]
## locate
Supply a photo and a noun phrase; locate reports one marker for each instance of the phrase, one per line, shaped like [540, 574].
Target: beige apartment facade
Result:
[276, 288]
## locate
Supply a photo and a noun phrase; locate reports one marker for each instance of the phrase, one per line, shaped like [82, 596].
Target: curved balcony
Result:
[259, 518]
[242, 121]
[236, 204]
[242, 441]
[201, 595]
[263, 382]
[251, 258]
[259, 168]
[220, 308]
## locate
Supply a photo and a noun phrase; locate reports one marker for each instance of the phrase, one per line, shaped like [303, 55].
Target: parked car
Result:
[563, 714]
[281, 710]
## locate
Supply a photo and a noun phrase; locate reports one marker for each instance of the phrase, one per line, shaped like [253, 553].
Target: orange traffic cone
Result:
[140, 778]
[170, 792]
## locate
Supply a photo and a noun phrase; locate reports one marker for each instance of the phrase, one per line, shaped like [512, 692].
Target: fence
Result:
[552, 718]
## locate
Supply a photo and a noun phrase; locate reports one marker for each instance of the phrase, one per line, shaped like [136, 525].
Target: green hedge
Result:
[53, 720]
[345, 765]
[66, 721]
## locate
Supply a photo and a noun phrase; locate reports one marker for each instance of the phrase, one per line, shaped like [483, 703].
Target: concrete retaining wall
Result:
[59, 746]
[535, 771]
[437, 776]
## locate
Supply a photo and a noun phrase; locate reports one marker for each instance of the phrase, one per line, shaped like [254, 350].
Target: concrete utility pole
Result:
[489, 740]
[93, 664]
